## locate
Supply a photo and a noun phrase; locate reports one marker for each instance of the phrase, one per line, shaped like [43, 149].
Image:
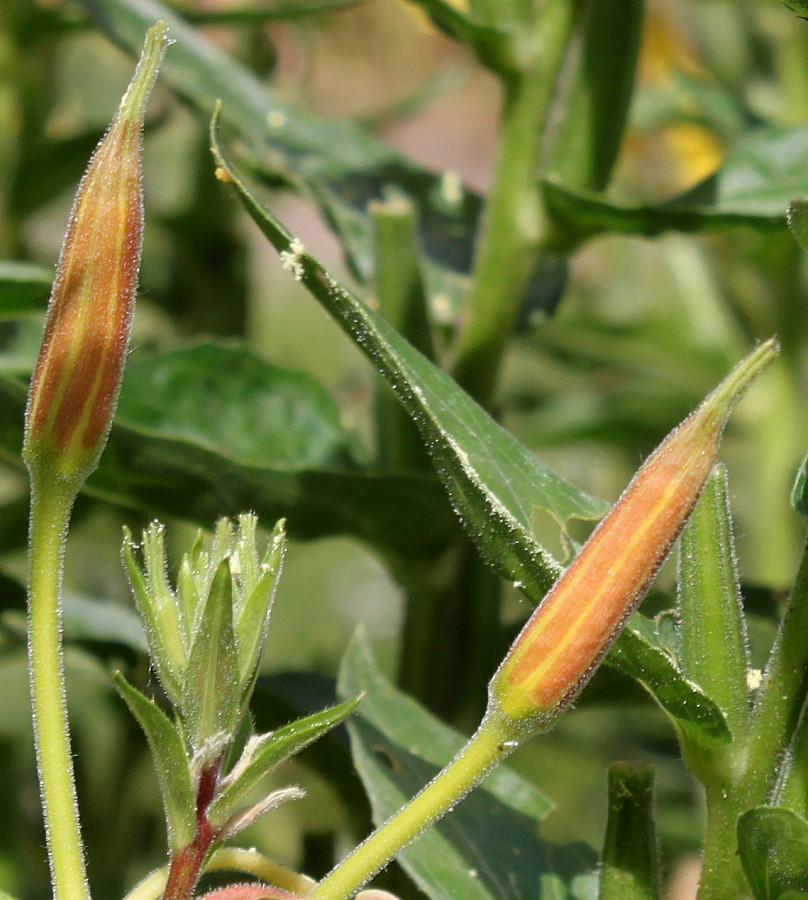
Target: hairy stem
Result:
[51, 504]
[485, 750]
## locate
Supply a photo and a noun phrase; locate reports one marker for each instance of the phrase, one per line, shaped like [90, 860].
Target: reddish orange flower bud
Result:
[78, 374]
[576, 623]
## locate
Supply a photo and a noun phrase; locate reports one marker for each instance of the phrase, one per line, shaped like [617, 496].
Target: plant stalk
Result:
[51, 505]
[490, 745]
[514, 224]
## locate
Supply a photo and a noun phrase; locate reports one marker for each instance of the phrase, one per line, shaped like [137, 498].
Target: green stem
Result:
[485, 750]
[514, 225]
[721, 875]
[51, 505]
[782, 694]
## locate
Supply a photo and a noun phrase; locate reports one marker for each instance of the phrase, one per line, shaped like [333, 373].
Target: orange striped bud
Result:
[77, 378]
[569, 633]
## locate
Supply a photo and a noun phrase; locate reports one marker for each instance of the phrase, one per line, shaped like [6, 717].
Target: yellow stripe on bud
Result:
[576, 623]
[77, 378]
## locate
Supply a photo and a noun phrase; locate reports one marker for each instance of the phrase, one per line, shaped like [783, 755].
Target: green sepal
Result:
[157, 608]
[252, 610]
[773, 846]
[630, 866]
[712, 627]
[211, 692]
[636, 654]
[170, 762]
[264, 752]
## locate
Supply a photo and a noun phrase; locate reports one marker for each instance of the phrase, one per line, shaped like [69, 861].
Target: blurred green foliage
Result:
[241, 393]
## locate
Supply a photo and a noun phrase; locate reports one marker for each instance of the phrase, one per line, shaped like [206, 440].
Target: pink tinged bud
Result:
[570, 632]
[78, 374]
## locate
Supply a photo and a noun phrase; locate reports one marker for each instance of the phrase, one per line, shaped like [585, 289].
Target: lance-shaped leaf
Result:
[630, 867]
[211, 691]
[773, 845]
[252, 611]
[713, 649]
[636, 654]
[157, 607]
[494, 482]
[170, 761]
[265, 752]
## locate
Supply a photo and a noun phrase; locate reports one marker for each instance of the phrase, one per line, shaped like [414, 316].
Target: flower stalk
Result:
[570, 632]
[68, 417]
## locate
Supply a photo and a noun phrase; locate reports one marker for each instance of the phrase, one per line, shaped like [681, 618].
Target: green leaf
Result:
[170, 761]
[222, 397]
[773, 845]
[157, 608]
[636, 654]
[799, 6]
[252, 613]
[339, 165]
[630, 867]
[192, 468]
[714, 651]
[265, 752]
[398, 747]
[211, 707]
[754, 187]
[494, 482]
[598, 93]
[24, 288]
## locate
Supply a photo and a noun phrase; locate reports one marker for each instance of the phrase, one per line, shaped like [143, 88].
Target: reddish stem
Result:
[186, 865]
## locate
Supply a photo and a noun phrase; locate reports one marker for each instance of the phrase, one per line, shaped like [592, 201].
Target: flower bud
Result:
[569, 633]
[77, 378]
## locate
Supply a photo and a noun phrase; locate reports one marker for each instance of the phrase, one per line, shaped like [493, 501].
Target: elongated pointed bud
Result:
[78, 374]
[576, 623]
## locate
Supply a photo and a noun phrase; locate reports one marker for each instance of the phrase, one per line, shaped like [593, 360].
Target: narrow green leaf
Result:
[494, 482]
[398, 747]
[630, 866]
[578, 216]
[248, 15]
[252, 614]
[754, 187]
[780, 700]
[598, 93]
[24, 288]
[155, 604]
[211, 691]
[170, 761]
[636, 654]
[773, 845]
[401, 297]
[714, 652]
[266, 752]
